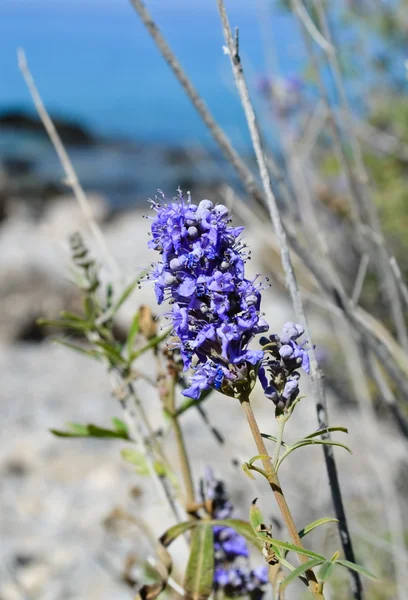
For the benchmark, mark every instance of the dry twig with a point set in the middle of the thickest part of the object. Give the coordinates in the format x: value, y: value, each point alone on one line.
x: 315, y: 372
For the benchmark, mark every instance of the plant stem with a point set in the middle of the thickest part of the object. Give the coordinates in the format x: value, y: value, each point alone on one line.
x: 274, y: 483
x: 275, y: 459
x: 181, y: 446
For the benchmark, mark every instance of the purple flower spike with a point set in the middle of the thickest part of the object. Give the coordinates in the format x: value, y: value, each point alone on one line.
x: 232, y: 574
x: 216, y: 310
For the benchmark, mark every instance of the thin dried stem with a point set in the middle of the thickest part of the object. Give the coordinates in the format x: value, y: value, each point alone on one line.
x: 387, y: 395
x: 304, y: 16
x: 388, y: 284
x: 216, y: 131
x: 170, y: 403
x: 354, y: 354
x: 71, y: 179
x: 359, y: 282
x: 291, y: 281
x: 129, y: 402
x: 131, y: 405
x: 372, y: 329
x: 399, y: 279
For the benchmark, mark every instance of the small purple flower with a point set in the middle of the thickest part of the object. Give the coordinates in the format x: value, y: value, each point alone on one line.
x: 232, y: 574
x: 283, y: 355
x: 216, y: 311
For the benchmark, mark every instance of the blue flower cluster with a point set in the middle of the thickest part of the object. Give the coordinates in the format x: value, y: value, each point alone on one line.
x: 232, y: 572
x: 283, y: 355
x: 215, y: 309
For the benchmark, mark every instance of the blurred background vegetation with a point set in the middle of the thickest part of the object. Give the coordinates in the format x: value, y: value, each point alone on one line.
x: 129, y: 130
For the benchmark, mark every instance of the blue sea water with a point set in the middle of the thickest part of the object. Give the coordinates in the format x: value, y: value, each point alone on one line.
x: 93, y: 60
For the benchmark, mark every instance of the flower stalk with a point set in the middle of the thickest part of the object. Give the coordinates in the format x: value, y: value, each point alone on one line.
x: 281, y: 422
x: 272, y: 477
x: 181, y: 445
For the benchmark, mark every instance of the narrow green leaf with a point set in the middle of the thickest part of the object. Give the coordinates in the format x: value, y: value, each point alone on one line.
x: 308, y: 442
x: 95, y: 431
x: 310, y: 564
x: 258, y: 539
x: 355, y: 567
x: 324, y: 442
x: 257, y: 457
x: 150, y: 344
x: 89, y: 308
x: 133, y: 331
x: 174, y: 532
x: 71, y: 316
x: 198, y: 581
x: 160, y: 468
x: 59, y: 433
x: 90, y: 430
x: 121, y: 427
x: 136, y: 459
x: 255, y: 517
x: 111, y: 352
x: 315, y: 524
x: 66, y: 324
x: 78, y: 428
x: 335, y: 556
x: 326, y: 570
x: 80, y: 349
x: 247, y: 470
x: 293, y: 548
x: 325, y: 430
x: 126, y: 292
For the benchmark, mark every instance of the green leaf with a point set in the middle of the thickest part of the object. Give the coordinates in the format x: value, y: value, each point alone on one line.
x: 138, y: 460
x: 293, y: 548
x: 89, y: 308
x: 323, y: 431
x: 133, y: 331
x: 126, y: 292
x: 174, y: 532
x: 323, y: 442
x: 71, y: 316
x: 111, y: 352
x: 315, y: 524
x: 247, y: 470
x: 255, y: 517
x: 66, y: 324
x: 310, y: 442
x: 80, y: 349
x: 121, y: 427
x: 150, y: 344
x: 198, y: 581
x: 310, y: 564
x: 326, y: 570
x: 357, y: 568
x: 258, y: 539
x: 258, y: 457
x: 79, y: 430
